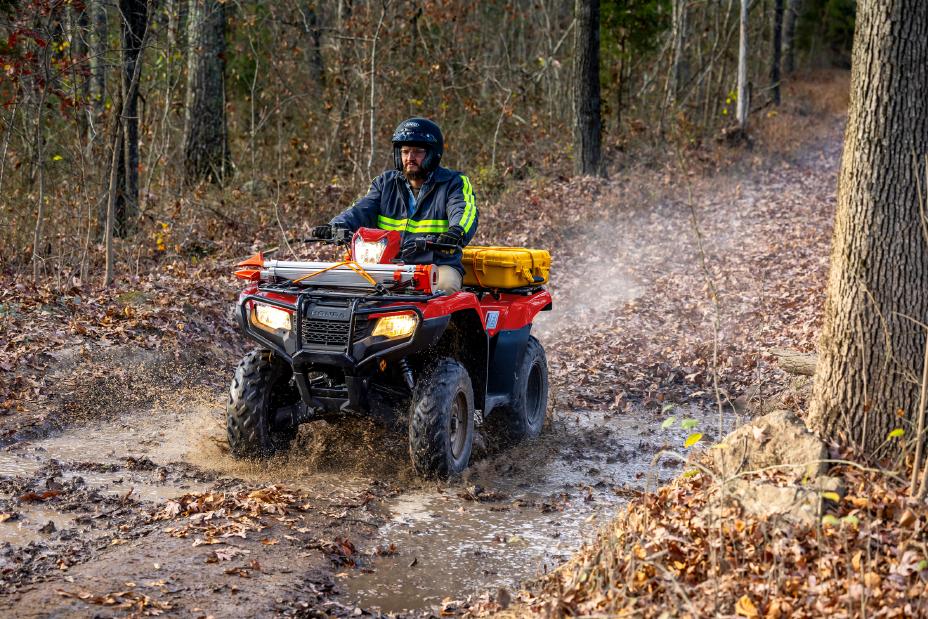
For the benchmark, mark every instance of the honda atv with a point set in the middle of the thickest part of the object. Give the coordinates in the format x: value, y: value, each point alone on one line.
x: 373, y: 336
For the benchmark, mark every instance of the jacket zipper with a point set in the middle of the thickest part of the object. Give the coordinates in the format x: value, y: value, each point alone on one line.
x: 418, y: 201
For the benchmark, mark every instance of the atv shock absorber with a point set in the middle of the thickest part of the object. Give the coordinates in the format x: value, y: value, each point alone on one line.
x: 407, y: 374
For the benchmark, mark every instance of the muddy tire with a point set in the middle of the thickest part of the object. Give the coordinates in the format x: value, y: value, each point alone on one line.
x: 441, y: 420
x: 261, y: 385
x: 524, y: 417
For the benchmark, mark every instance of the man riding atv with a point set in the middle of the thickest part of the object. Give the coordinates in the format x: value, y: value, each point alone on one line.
x: 409, y: 327
x: 419, y: 198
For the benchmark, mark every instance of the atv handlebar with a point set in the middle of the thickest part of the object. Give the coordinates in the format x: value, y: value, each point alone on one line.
x: 428, y: 244
x: 340, y: 236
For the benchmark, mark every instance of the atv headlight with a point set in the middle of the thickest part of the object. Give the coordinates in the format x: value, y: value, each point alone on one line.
x: 369, y: 252
x: 270, y: 318
x: 396, y: 326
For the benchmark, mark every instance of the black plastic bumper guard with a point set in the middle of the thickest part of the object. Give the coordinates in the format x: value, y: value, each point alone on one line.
x: 356, y: 358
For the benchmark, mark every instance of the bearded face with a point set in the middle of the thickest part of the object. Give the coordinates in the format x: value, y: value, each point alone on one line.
x: 413, y: 158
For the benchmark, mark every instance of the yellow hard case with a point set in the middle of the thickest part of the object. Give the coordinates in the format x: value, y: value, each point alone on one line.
x: 505, y: 267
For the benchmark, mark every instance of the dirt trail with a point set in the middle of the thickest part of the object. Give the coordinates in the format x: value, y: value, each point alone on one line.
x: 358, y: 530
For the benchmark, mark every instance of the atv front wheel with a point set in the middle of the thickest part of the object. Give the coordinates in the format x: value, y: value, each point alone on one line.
x: 441, y: 420
x: 525, y: 415
x: 260, y: 387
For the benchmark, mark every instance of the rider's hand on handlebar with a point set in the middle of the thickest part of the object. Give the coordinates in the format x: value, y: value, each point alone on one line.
x: 330, y: 232
x: 453, y: 236
x: 408, y: 251
x: 323, y: 232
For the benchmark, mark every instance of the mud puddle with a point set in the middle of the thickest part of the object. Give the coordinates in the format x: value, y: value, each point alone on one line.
x: 160, y: 455
x: 518, y: 513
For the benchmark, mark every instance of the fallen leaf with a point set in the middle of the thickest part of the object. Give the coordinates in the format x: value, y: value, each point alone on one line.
x: 745, y: 607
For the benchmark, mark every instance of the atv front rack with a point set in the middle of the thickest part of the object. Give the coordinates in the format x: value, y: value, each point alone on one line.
x: 318, y: 290
x: 351, y: 275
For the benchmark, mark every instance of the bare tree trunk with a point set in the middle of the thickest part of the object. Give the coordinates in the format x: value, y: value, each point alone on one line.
x: 134, y: 14
x: 177, y: 10
x: 777, y: 48
x: 112, y: 191
x: 80, y: 30
x: 871, y: 346
x: 743, y: 89
x: 98, y: 44
x: 38, y: 259
x: 678, y: 64
x: 789, y: 36
x: 314, y: 49
x: 383, y: 13
x: 588, y: 124
x: 206, y: 142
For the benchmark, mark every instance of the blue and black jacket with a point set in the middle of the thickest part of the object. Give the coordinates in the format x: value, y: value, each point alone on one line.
x: 445, y: 199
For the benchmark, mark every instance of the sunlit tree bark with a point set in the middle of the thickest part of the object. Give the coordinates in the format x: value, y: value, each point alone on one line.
x: 872, y: 345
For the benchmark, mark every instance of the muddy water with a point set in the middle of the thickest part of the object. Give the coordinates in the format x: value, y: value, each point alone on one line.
x: 110, y: 457
x: 516, y: 513
x: 535, y: 505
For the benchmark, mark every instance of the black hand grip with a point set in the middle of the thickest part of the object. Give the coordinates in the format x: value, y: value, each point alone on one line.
x: 340, y: 236
x: 427, y: 244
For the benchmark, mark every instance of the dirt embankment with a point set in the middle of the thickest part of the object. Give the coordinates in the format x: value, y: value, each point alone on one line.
x: 115, y: 434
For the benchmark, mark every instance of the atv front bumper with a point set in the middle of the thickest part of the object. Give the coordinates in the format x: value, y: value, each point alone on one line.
x: 335, y: 333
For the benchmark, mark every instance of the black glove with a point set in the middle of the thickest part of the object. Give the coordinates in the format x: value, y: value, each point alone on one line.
x: 329, y: 232
x: 323, y: 232
x: 454, y: 236
x: 408, y: 250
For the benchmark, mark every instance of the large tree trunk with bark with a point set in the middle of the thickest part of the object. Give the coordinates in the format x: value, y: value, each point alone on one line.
x: 588, y: 126
x: 870, y: 364
x: 134, y: 16
x: 206, y: 144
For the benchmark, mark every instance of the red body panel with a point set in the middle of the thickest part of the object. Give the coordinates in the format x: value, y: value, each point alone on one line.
x: 514, y: 311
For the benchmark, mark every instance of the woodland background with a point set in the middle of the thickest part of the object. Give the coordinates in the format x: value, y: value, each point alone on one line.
x: 151, y: 131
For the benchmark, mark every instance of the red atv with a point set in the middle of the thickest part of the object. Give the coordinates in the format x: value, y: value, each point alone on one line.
x: 372, y: 336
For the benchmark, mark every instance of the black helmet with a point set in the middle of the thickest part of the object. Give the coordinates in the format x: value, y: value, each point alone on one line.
x: 419, y: 132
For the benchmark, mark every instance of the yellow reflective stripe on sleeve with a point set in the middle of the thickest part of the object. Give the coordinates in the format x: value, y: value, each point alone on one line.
x: 470, y: 205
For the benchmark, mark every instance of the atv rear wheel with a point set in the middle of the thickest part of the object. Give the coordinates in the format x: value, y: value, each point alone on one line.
x: 525, y: 415
x: 441, y: 420
x: 260, y: 387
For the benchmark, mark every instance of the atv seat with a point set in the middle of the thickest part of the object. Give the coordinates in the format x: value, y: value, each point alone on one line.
x: 502, y: 268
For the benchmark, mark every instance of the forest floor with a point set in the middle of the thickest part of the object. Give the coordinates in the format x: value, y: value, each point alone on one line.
x: 117, y: 493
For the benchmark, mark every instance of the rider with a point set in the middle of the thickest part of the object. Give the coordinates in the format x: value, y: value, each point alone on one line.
x: 418, y: 199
